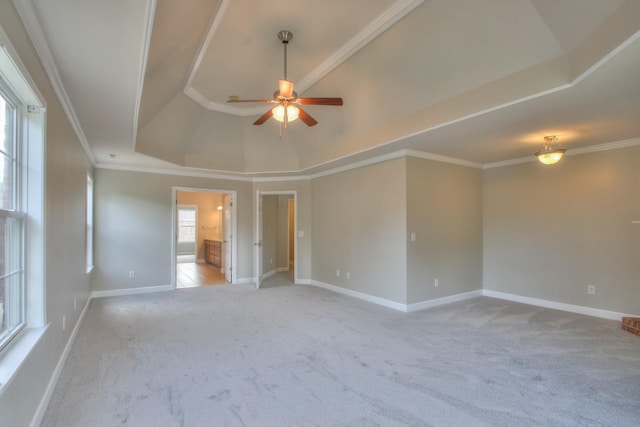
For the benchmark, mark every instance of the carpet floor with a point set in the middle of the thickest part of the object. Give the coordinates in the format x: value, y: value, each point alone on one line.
x: 232, y: 355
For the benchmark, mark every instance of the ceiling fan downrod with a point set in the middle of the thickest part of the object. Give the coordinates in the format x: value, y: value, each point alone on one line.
x: 285, y: 36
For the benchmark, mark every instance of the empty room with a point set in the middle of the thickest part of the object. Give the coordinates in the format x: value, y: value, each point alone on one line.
x: 304, y: 213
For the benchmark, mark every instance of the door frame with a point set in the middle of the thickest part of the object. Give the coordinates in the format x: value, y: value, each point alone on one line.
x: 257, y: 243
x: 174, y: 230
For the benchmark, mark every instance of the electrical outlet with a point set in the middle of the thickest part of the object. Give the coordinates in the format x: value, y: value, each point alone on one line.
x: 75, y: 304
x: 436, y: 282
x: 348, y: 275
x: 64, y: 323
x: 132, y: 274
x: 337, y: 273
x: 271, y: 261
x: 413, y: 237
x: 591, y: 290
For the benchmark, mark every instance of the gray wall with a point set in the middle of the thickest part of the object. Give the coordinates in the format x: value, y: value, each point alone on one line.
x: 65, y: 268
x: 549, y: 232
x: 444, y: 209
x: 133, y: 227
x: 359, y: 226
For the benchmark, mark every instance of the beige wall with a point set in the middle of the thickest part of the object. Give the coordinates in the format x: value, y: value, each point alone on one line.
x: 444, y: 210
x: 549, y: 232
x: 65, y: 266
x: 359, y: 226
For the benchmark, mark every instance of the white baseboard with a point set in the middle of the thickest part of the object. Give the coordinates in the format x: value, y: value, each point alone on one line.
x: 407, y: 308
x: 269, y: 273
x: 245, y: 281
x: 303, y: 282
x: 360, y: 295
x: 131, y: 291
x: 588, y: 311
x: 423, y: 305
x: 53, y: 381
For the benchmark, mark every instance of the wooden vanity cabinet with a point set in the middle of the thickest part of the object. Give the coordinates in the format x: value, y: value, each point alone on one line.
x: 213, y: 252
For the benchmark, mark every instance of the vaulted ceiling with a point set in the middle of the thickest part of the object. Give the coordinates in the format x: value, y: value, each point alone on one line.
x: 145, y: 83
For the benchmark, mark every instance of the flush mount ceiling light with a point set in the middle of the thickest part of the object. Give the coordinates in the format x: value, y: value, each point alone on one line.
x: 548, y: 155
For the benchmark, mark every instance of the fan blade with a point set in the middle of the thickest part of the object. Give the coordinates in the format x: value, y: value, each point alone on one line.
x: 319, y: 101
x: 286, y: 88
x: 306, y: 118
x: 250, y: 100
x: 263, y: 118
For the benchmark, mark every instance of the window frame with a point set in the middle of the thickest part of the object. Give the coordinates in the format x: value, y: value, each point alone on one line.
x: 18, y: 211
x: 31, y: 131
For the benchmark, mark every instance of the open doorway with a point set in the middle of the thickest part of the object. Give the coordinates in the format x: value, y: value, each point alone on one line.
x: 203, y: 249
x: 275, y: 239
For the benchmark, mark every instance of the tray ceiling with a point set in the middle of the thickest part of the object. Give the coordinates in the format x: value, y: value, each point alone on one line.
x: 478, y: 81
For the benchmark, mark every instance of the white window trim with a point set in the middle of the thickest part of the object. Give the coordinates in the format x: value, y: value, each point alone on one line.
x: 32, y: 127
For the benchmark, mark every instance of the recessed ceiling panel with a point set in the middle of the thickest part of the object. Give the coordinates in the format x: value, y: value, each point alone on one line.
x: 245, y: 58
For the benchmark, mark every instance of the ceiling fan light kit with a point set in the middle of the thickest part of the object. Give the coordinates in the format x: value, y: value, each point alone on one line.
x: 288, y: 104
x: 548, y: 155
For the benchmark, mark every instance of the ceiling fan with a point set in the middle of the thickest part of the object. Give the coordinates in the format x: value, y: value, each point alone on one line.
x: 288, y: 104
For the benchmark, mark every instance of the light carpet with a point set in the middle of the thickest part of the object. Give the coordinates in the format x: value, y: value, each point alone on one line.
x: 232, y: 355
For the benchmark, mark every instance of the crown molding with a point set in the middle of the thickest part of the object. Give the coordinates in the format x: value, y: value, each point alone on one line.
x: 176, y: 172
x: 151, y: 11
x: 215, y: 23
x: 305, y: 175
x: 34, y: 30
x: 442, y: 159
x: 386, y: 20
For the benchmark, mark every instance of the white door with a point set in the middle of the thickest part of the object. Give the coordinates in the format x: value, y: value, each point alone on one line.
x: 258, y: 242
x: 227, y: 239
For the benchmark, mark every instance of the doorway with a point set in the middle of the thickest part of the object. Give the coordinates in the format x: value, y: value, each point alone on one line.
x: 276, y: 251
x: 203, y: 247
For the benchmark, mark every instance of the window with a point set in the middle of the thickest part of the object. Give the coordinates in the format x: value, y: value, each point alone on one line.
x: 186, y: 224
x: 22, y: 227
x: 12, y: 223
x: 89, y: 228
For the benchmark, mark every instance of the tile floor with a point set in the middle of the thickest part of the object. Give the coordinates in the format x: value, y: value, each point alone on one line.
x: 191, y: 274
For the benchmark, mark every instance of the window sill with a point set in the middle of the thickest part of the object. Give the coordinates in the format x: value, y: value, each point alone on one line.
x: 15, y: 354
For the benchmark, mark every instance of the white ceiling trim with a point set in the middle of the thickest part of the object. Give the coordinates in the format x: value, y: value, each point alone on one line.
x: 183, y: 172
x: 215, y: 23
x: 363, y: 163
x: 387, y: 19
x: 635, y: 36
x: 382, y: 23
x: 151, y: 11
x: 443, y: 159
x: 34, y: 30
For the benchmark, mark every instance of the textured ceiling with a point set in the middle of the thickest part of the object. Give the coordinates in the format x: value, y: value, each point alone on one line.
x: 480, y: 81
